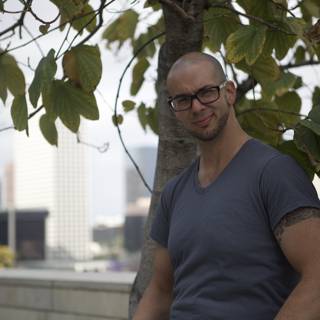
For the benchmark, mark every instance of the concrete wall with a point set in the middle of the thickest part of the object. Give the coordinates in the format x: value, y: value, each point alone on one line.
x: 59, y: 295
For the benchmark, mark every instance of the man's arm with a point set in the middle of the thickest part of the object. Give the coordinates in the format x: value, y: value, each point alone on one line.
x: 298, y: 235
x: 156, y: 301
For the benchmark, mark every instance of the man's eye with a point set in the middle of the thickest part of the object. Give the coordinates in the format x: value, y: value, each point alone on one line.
x: 182, y: 100
x: 207, y: 93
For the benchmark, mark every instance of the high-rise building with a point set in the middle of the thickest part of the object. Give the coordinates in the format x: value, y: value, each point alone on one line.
x: 145, y: 157
x: 138, y: 196
x: 55, y: 179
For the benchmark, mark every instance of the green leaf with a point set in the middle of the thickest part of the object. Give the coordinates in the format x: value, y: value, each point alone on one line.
x: 312, y: 7
x: 313, y: 126
x: 11, y: 77
x: 138, y: 75
x: 313, y: 120
x: 68, y: 103
x: 280, y: 86
x: 296, y: 25
x: 117, y: 120
x: 265, y: 69
x: 316, y: 97
x: 314, y: 114
x: 88, y: 20
x: 152, y: 115
x: 122, y: 29
x: 3, y: 88
x: 219, y: 24
x: 289, y: 102
x: 83, y: 66
x: 148, y: 51
x: 298, y: 83
x: 307, y: 141
x: 300, y: 54
x: 43, y: 76
x: 19, y: 112
x: 44, y: 28
x: 128, y: 105
x: 49, y: 130
x: 290, y: 148
x: 68, y: 9
x: 154, y: 4
x: 260, y: 9
x: 142, y: 115
x: 247, y: 42
x: 279, y: 41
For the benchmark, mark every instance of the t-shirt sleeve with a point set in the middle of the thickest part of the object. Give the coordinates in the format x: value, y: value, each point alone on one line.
x: 285, y: 187
x: 160, y: 226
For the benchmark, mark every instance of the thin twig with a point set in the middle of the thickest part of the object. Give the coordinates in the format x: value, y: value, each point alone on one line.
x: 33, y: 38
x: 42, y: 21
x: 271, y: 110
x: 116, y: 105
x: 301, y: 64
x: 296, y: 6
x: 102, y: 149
x: 19, y: 22
x: 283, y: 7
x: 63, y: 42
x: 8, y: 36
x: 32, y: 114
x: 49, y: 31
x: 250, y: 17
x: 100, y: 13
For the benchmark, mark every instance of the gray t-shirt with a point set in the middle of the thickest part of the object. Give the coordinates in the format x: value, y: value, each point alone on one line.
x: 227, y: 263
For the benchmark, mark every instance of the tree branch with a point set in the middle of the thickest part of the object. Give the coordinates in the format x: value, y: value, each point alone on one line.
x: 250, y: 17
x: 116, y: 105
x: 49, y: 31
x: 244, y: 87
x: 271, y: 110
x: 283, y: 7
x: 296, y: 6
x: 301, y: 64
x: 178, y: 10
x: 19, y: 22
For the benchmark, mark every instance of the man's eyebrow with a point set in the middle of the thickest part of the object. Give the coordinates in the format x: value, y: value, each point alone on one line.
x: 181, y: 95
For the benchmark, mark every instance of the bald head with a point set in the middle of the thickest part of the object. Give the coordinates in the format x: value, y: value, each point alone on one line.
x: 194, y: 58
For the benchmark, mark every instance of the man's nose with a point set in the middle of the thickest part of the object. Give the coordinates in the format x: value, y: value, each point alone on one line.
x: 196, y: 105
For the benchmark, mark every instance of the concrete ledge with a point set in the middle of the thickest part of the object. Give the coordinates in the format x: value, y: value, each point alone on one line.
x: 53, y: 295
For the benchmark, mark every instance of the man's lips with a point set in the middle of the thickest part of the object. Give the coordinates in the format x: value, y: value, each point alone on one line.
x: 203, y: 122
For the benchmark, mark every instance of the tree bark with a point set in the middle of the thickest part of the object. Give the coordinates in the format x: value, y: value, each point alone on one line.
x: 176, y: 148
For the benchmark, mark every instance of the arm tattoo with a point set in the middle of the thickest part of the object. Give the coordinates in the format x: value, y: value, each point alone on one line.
x: 294, y: 217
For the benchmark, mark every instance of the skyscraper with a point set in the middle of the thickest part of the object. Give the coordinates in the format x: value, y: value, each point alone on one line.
x: 55, y: 179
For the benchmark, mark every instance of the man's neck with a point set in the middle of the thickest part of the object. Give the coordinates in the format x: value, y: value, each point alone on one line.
x: 216, y: 154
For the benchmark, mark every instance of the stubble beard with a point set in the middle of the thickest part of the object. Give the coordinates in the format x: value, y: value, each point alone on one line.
x: 216, y: 131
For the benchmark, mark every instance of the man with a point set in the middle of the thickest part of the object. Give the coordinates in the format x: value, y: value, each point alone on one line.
x: 238, y: 232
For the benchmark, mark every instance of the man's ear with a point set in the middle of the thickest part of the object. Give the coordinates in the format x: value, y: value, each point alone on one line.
x: 230, y: 92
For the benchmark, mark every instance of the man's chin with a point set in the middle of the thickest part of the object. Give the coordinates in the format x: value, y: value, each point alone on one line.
x: 205, y: 136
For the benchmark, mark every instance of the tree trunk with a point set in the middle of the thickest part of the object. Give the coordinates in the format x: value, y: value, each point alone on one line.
x: 176, y: 149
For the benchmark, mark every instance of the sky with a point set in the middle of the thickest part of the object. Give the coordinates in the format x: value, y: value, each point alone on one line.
x: 107, y: 181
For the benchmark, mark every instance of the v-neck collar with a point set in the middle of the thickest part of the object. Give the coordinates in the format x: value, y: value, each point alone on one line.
x: 196, y: 182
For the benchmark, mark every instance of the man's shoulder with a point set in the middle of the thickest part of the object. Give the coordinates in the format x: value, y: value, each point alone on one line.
x: 180, y: 180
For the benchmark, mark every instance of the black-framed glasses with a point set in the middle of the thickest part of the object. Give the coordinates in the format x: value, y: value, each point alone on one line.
x: 206, y: 95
